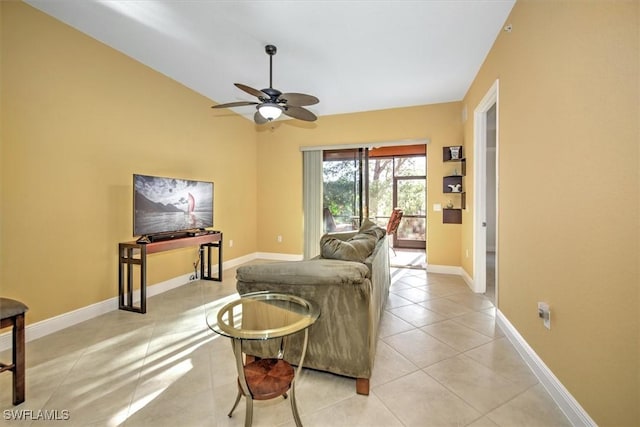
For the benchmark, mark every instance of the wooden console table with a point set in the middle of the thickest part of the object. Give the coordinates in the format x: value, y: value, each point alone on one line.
x: 127, y: 259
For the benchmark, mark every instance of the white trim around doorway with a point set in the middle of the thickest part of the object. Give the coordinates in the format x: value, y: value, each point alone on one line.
x: 479, y: 188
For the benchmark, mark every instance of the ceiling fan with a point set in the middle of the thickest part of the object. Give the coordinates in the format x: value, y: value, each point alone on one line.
x: 273, y: 102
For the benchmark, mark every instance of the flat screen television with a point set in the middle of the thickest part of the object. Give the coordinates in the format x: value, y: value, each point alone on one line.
x: 166, y: 205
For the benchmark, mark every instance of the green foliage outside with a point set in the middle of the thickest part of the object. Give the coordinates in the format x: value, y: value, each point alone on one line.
x: 341, y: 192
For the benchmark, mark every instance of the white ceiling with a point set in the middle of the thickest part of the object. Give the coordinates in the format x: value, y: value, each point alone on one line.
x: 353, y: 55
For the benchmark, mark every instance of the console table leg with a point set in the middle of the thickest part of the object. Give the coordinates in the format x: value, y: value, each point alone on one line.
x: 129, y: 285
x: 220, y: 245
x: 121, y: 253
x: 201, y: 255
x: 206, y: 273
x: 143, y: 279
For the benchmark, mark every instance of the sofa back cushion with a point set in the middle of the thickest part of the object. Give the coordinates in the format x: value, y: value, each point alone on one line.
x: 351, y: 250
x: 358, y: 248
x: 370, y: 228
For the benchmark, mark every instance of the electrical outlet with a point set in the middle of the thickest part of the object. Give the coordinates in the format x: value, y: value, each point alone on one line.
x: 544, y: 312
x: 279, y: 239
x: 230, y: 243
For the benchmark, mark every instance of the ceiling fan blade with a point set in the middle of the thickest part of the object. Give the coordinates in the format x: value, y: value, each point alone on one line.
x: 251, y: 91
x: 259, y: 119
x: 235, y: 104
x: 299, y: 113
x: 299, y: 99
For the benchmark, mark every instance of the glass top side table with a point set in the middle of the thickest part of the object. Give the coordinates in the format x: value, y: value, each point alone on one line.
x: 263, y: 316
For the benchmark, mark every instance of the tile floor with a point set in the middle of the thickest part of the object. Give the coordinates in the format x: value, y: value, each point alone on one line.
x: 409, y: 258
x: 441, y: 361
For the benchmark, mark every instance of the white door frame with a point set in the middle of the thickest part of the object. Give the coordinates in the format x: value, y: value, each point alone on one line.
x: 480, y: 186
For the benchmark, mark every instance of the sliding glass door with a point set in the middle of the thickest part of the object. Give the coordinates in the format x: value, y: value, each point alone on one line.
x: 369, y: 183
x: 410, y: 194
x: 344, y: 181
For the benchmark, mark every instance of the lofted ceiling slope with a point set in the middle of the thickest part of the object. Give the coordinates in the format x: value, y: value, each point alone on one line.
x: 353, y: 55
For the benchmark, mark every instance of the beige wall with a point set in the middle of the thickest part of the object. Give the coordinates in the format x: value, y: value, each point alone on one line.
x: 280, y: 169
x: 569, y: 193
x: 78, y: 119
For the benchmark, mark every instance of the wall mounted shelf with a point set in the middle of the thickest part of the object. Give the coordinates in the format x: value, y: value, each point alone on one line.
x: 451, y: 216
x: 454, y: 184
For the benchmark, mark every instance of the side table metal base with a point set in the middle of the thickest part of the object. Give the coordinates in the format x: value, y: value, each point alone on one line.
x: 265, y: 379
x: 262, y: 316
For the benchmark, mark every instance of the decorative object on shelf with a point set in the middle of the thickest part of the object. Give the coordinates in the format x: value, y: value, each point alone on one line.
x: 455, y: 188
x: 454, y: 184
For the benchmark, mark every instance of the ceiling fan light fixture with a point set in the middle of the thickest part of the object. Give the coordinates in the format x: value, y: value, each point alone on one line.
x: 270, y: 111
x: 274, y: 103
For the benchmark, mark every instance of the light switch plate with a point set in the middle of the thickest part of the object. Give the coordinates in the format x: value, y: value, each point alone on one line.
x: 544, y: 312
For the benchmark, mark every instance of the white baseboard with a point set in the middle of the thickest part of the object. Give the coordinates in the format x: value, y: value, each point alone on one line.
x: 567, y: 403
x: 444, y: 269
x: 467, y: 279
x: 53, y: 324
x: 237, y: 261
x: 561, y: 396
x: 278, y: 257
x: 452, y: 269
x: 167, y: 285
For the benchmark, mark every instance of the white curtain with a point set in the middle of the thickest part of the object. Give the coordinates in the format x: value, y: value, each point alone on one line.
x: 312, y: 202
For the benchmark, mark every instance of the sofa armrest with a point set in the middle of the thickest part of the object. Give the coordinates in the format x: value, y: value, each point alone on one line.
x: 381, y: 277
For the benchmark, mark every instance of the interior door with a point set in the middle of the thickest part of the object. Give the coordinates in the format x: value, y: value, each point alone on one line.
x: 481, y: 187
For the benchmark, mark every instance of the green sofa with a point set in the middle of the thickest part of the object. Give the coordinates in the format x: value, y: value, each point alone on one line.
x: 350, y: 283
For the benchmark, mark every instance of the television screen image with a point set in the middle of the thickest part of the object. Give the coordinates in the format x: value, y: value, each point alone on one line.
x: 169, y: 204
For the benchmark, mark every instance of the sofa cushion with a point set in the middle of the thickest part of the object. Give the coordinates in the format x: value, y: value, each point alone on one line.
x: 310, y: 272
x: 358, y: 248
x: 370, y: 228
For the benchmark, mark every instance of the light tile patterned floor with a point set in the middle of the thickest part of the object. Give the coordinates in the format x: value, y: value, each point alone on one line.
x: 441, y: 361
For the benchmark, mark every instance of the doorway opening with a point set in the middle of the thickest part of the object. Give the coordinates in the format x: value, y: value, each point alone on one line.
x: 491, y: 214
x: 485, y: 227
